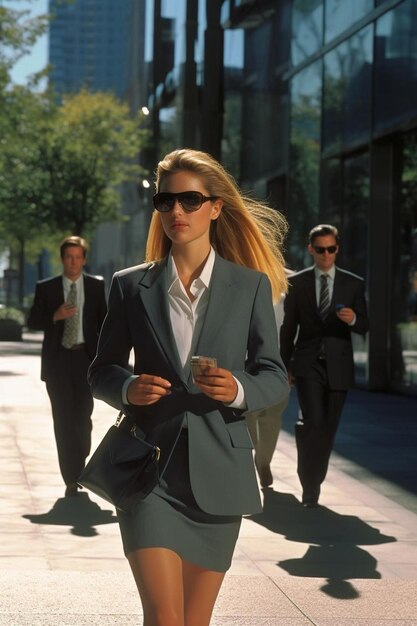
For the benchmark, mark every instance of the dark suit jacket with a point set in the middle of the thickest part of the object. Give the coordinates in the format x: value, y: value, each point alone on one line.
x: 301, y: 315
x: 239, y: 330
x: 49, y: 296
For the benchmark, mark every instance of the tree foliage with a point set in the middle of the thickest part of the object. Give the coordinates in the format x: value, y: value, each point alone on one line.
x: 18, y: 33
x: 91, y: 148
x: 61, y: 163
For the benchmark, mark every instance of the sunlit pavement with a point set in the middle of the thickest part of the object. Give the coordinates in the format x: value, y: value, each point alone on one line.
x: 351, y: 561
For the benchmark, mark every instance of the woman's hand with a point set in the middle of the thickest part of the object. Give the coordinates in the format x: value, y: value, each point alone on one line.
x: 218, y: 383
x: 147, y: 389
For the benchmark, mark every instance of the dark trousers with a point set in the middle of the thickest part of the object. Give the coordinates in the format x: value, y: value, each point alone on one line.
x: 315, y: 431
x: 72, y: 406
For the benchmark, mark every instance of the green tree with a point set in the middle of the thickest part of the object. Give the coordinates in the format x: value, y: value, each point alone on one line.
x: 23, y: 210
x: 91, y: 148
x: 18, y: 33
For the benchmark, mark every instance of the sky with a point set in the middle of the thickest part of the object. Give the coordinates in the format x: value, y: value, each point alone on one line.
x: 38, y: 57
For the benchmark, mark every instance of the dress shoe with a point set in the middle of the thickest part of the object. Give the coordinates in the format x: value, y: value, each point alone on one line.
x: 71, y: 490
x: 265, y: 476
x: 310, y: 499
x: 310, y: 504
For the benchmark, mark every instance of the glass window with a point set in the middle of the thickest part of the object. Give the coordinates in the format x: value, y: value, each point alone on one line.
x: 347, y: 91
x: 306, y: 28
x: 265, y: 96
x: 396, y: 66
x: 345, y: 197
x: 354, y: 241
x: 303, y: 210
x: 233, y: 80
x: 341, y: 14
x: 404, y: 275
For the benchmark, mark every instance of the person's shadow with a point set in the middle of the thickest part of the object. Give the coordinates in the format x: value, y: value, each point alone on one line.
x: 79, y: 512
x: 334, y: 539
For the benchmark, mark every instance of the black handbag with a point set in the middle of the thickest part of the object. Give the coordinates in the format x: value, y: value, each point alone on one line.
x: 124, y: 468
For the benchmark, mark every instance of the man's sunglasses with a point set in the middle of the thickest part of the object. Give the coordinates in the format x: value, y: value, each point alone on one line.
x: 322, y: 249
x: 189, y: 200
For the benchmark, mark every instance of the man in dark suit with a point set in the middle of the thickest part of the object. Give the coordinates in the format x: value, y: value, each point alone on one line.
x: 70, y: 309
x: 323, y: 306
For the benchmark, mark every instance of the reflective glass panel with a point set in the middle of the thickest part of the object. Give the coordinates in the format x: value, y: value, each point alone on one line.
x: 396, y: 66
x: 303, y: 210
x: 169, y: 74
x: 354, y: 245
x: 341, y: 14
x: 345, y: 198
x: 265, y: 96
x: 307, y: 29
x: 347, y: 91
x: 233, y: 82
x: 404, y: 281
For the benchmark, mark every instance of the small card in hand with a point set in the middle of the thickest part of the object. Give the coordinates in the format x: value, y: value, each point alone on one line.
x: 199, y: 364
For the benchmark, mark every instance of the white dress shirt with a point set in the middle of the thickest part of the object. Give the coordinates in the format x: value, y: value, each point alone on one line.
x: 187, y: 317
x: 67, y: 282
x: 330, y: 283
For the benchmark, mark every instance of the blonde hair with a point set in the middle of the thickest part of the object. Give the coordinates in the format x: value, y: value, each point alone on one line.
x: 247, y: 232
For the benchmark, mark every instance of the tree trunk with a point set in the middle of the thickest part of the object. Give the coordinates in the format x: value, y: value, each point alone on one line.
x: 21, y: 267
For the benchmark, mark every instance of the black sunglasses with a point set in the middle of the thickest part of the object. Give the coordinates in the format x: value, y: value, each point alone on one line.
x: 322, y: 249
x: 189, y: 200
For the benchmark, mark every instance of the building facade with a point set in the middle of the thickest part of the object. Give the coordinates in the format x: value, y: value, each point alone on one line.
x: 88, y: 45
x: 311, y: 104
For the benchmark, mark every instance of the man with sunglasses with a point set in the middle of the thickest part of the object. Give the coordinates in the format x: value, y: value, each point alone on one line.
x: 324, y: 305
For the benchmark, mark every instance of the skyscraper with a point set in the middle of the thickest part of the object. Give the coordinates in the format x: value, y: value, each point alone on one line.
x: 89, y: 45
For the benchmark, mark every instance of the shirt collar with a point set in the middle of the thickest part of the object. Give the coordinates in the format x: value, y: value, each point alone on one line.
x: 331, y: 273
x: 205, y: 276
x: 68, y: 282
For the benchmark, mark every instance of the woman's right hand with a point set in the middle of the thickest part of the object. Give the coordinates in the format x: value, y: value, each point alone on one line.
x: 147, y: 389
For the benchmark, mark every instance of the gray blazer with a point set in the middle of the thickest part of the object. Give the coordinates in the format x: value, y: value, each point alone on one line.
x: 239, y: 330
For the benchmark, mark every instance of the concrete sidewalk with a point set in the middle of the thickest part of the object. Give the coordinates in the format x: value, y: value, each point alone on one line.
x: 351, y: 561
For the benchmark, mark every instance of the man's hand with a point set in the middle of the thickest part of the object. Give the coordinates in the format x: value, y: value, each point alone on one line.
x: 64, y: 312
x: 346, y: 315
x: 147, y: 389
x: 218, y: 383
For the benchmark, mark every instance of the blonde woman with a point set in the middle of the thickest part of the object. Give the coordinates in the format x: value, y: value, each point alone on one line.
x: 213, y: 267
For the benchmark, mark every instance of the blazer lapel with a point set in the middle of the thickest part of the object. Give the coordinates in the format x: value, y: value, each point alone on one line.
x: 222, y: 296
x: 154, y: 294
x: 337, y: 296
x: 311, y: 289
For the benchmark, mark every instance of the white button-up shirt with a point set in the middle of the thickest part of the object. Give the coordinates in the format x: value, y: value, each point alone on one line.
x: 66, y: 283
x: 187, y: 317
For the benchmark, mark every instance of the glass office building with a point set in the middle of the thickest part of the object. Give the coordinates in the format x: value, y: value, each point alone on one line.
x: 329, y: 134
x: 88, y: 45
x: 311, y: 104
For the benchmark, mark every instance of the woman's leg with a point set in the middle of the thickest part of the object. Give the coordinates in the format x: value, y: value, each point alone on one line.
x: 158, y: 573
x: 201, y: 588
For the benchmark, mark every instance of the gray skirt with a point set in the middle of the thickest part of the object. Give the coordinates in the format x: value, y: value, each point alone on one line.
x: 171, y: 518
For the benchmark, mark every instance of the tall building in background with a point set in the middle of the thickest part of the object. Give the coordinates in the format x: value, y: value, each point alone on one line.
x: 89, y: 45
x: 99, y: 45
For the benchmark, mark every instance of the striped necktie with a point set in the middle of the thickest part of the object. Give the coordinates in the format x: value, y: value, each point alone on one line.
x: 70, y: 334
x: 324, y: 302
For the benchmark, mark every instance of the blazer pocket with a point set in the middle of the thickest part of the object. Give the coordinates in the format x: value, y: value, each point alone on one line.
x: 239, y: 435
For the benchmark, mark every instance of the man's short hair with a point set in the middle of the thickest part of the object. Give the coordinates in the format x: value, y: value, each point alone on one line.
x: 321, y: 230
x: 73, y: 240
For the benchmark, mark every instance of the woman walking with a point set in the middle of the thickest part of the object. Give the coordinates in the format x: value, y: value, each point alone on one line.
x: 213, y: 268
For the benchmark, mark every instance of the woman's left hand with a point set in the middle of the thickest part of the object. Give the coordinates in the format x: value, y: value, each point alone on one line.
x: 218, y: 383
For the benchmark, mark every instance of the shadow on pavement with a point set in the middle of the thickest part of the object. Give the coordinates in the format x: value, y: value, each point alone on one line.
x: 334, y: 539
x: 79, y: 512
